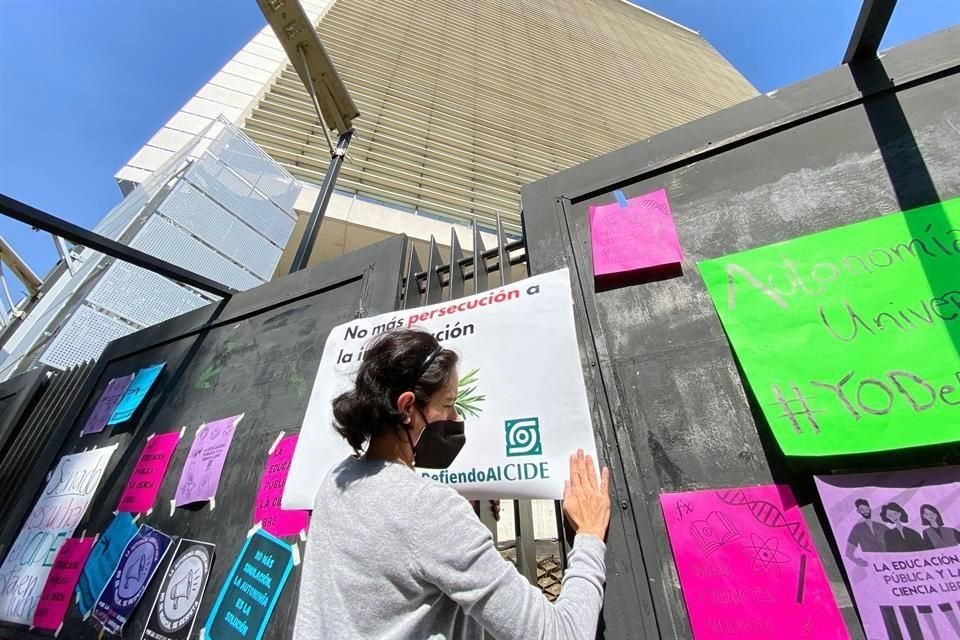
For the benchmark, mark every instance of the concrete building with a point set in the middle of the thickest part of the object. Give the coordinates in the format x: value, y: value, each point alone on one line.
x: 462, y: 102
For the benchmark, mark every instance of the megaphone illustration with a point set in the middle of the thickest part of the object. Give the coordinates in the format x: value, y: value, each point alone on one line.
x: 181, y: 590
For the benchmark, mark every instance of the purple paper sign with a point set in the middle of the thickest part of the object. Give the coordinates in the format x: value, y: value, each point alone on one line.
x: 108, y: 401
x: 266, y: 509
x: 899, y: 535
x: 138, y: 563
x: 201, y: 471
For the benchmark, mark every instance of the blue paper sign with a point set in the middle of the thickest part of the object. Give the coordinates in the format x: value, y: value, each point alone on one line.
x: 138, y: 563
x: 103, y: 560
x: 253, y: 586
x: 135, y: 393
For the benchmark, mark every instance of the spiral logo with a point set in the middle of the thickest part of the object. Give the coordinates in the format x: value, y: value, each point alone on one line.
x: 523, y: 437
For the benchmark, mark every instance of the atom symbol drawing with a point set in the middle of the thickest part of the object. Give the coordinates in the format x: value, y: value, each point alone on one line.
x: 766, y: 555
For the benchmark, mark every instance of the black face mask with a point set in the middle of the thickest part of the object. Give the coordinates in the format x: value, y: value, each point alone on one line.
x: 439, y: 444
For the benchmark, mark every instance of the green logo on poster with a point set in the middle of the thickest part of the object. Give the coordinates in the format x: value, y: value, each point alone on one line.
x: 523, y: 437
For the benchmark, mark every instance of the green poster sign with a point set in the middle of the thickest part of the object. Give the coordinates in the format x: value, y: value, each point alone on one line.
x: 850, y: 337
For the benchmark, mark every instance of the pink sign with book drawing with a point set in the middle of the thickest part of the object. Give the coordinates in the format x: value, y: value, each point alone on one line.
x: 747, y: 566
x: 633, y: 235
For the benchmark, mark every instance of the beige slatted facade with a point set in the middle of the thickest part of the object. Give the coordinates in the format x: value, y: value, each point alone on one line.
x: 465, y: 101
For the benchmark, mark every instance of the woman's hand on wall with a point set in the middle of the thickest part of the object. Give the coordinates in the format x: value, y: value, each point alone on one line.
x: 585, y: 500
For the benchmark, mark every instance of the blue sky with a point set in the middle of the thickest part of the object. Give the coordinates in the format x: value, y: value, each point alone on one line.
x: 84, y: 83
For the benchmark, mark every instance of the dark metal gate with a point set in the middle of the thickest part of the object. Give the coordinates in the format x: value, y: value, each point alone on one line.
x: 670, y: 408
x: 255, y: 353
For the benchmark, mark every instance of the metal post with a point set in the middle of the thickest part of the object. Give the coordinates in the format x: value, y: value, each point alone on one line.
x: 320, y: 206
x: 78, y: 235
x: 3, y: 310
x: 64, y: 253
x: 868, y: 32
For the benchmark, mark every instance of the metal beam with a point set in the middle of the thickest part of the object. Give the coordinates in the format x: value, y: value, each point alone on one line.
x: 31, y: 281
x: 868, y: 32
x: 320, y: 206
x: 78, y: 235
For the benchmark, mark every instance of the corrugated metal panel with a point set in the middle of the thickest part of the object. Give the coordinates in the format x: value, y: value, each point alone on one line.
x: 162, y: 239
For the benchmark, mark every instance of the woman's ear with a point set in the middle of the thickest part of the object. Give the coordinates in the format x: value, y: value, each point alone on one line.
x: 405, y: 405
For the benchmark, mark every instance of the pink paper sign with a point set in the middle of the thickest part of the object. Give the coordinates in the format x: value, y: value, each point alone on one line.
x: 108, y: 401
x: 633, y: 234
x: 201, y: 471
x: 141, y: 490
x: 747, y: 566
x: 266, y: 509
x: 58, y: 590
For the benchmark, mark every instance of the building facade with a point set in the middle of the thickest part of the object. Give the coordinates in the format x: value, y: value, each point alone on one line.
x: 462, y: 102
x: 218, y: 207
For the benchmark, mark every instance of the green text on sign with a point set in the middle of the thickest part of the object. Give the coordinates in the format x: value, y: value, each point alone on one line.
x: 850, y: 337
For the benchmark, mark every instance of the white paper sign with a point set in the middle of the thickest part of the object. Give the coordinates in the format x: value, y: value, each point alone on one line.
x: 54, y: 518
x: 520, y: 377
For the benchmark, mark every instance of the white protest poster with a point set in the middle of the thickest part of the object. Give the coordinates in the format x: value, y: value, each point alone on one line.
x: 521, y: 391
x: 55, y: 516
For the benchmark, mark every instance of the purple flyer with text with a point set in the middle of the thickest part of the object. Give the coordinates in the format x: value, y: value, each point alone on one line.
x: 899, y: 535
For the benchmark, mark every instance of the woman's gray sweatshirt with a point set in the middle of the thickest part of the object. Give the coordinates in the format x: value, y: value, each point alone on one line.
x: 393, y: 555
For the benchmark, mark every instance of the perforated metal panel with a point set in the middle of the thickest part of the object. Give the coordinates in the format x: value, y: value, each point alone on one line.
x: 220, y: 207
x: 142, y: 296
x: 83, y: 336
x: 162, y: 239
x: 249, y: 161
x: 191, y: 209
x: 236, y: 195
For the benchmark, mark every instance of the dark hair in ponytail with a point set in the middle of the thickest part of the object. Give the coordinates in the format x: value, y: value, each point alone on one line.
x: 393, y: 363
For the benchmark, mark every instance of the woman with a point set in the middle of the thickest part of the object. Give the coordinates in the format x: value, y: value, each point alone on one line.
x: 899, y: 537
x: 935, y: 535
x: 394, y: 555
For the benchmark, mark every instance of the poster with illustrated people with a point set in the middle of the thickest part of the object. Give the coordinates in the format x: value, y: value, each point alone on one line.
x: 747, y: 566
x: 899, y: 535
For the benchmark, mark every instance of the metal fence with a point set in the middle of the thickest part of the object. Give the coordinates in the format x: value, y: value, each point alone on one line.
x: 34, y: 445
x: 462, y: 275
